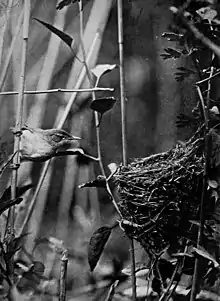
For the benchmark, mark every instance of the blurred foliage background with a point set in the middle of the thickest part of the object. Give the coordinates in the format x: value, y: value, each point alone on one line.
x: 154, y: 99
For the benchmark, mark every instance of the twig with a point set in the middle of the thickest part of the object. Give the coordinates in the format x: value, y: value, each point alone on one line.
x: 166, y: 292
x: 208, y: 78
x: 63, y: 273
x: 207, y: 152
x: 98, y: 142
x: 111, y: 291
x: 124, y: 127
x: 198, y: 35
x: 96, y: 89
x: 9, y: 233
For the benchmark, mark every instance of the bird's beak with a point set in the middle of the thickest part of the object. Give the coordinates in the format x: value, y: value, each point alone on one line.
x: 75, y: 138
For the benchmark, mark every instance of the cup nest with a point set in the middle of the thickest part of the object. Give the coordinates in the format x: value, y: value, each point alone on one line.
x: 159, y: 196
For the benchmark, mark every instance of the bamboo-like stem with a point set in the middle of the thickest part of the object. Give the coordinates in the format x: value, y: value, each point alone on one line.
x: 98, y: 141
x: 124, y: 126
x: 16, y: 160
x: 122, y: 82
x: 59, y: 90
x: 207, y: 151
x: 60, y: 125
x: 63, y: 274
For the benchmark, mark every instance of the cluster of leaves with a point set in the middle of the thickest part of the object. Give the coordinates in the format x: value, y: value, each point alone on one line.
x: 15, y: 278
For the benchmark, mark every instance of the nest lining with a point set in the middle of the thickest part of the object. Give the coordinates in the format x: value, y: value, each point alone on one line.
x: 160, y: 194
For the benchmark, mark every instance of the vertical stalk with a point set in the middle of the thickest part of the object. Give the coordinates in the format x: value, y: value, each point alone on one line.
x: 98, y: 141
x: 122, y: 82
x: 124, y: 125
x: 16, y: 159
x: 207, y: 152
x: 63, y: 274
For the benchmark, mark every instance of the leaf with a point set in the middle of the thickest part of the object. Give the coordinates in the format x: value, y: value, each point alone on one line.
x: 207, y: 13
x: 97, y: 244
x: 212, y: 184
x: 77, y: 152
x: 174, y: 37
x: 103, y: 105
x: 102, y: 69
x: 100, y: 182
x: 171, y: 54
x: 183, y: 74
x: 7, y: 204
x: 64, y: 3
x: 37, y: 268
x: 214, y: 110
x: 112, y: 167
x: 203, y: 253
x: 141, y: 270
x: 19, y: 191
x: 15, y: 245
x: 62, y: 35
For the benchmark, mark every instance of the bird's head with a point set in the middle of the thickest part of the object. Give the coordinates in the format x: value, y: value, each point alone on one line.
x: 60, y: 137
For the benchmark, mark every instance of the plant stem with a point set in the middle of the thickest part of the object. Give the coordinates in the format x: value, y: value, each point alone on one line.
x: 98, y: 141
x: 63, y: 273
x: 207, y: 152
x: 9, y: 233
x: 58, y: 91
x: 124, y: 126
x: 122, y: 82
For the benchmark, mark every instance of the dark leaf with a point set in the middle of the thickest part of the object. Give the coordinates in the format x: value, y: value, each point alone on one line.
x: 174, y: 37
x: 103, y: 105
x: 19, y: 191
x: 7, y: 204
x: 97, y: 244
x: 184, y: 73
x: 171, y: 54
x: 64, y: 3
x: 37, y: 268
x: 100, y: 182
x: 62, y: 35
x: 17, y: 242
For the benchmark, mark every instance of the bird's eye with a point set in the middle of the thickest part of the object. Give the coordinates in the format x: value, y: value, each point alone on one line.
x: 57, y: 138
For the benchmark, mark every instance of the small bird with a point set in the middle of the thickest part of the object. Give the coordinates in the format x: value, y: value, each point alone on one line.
x: 40, y: 145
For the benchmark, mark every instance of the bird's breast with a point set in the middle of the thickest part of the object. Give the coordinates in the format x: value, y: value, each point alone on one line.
x: 33, y: 146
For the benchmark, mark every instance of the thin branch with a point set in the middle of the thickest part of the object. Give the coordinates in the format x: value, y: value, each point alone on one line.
x: 111, y: 291
x: 207, y: 152
x: 208, y: 78
x: 198, y: 35
x: 59, y: 90
x: 63, y: 274
x: 122, y: 82
x: 9, y: 233
x: 98, y: 142
x: 124, y: 127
